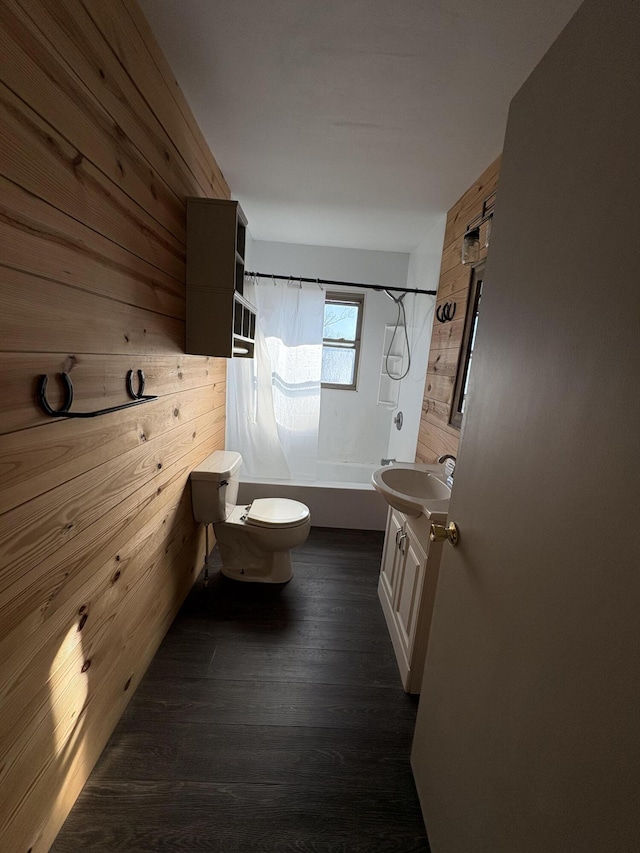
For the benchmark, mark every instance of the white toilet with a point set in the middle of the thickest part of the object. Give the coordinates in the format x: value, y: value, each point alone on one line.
x: 255, y: 541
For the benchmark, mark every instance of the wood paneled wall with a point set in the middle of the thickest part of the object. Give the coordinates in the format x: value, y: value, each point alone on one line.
x: 435, y: 435
x: 98, y: 150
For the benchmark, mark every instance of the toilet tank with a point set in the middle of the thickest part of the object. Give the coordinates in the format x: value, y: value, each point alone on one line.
x: 214, y: 486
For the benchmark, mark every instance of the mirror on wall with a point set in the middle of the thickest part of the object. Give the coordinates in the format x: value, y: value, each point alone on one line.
x: 466, y: 350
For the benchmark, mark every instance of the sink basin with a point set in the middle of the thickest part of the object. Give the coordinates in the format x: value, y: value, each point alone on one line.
x: 414, y: 489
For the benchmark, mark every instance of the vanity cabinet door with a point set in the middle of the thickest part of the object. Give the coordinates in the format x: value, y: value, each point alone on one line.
x: 406, y: 588
x: 392, y: 554
x: 408, y: 591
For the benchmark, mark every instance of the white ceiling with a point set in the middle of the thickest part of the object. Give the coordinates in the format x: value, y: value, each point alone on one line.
x: 352, y: 123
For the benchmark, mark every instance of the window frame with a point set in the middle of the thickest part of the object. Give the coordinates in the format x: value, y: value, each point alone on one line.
x: 471, y: 319
x: 338, y: 297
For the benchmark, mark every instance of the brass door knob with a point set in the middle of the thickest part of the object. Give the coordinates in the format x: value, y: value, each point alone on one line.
x: 439, y: 533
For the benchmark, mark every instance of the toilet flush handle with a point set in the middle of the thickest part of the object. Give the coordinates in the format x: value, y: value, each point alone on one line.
x: 223, y: 483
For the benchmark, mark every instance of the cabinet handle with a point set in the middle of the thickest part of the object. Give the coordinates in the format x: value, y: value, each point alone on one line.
x: 401, y: 542
x: 398, y: 532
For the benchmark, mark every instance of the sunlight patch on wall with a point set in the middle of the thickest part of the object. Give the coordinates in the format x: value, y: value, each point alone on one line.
x: 69, y: 691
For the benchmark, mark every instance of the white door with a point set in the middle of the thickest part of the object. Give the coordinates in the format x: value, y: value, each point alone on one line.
x: 528, y: 734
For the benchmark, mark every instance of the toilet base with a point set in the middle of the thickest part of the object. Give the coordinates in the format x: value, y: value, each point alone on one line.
x: 276, y: 568
x: 244, y: 560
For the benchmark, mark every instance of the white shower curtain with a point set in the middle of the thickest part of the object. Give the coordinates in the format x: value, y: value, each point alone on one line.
x: 273, y: 412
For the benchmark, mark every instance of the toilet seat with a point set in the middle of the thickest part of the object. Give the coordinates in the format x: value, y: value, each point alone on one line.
x: 276, y: 513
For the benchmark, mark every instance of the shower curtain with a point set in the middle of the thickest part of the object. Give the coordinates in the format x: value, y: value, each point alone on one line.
x: 273, y: 400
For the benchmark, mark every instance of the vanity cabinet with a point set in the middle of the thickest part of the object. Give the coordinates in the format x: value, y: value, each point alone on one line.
x: 406, y: 588
x: 220, y: 321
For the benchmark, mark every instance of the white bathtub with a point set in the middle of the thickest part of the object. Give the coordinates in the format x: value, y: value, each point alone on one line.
x: 341, y: 496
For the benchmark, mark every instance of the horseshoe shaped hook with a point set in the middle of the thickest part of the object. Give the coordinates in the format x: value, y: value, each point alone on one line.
x: 446, y: 312
x: 42, y: 395
x: 137, y: 397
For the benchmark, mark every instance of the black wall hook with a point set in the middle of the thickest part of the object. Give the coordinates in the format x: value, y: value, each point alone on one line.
x: 140, y: 393
x: 445, y: 313
x: 137, y: 397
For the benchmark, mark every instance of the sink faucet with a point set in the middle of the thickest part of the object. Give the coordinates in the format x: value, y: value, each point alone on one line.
x: 450, y: 466
x: 387, y: 461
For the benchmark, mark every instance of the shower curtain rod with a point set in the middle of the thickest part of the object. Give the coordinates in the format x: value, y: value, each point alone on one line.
x: 296, y: 278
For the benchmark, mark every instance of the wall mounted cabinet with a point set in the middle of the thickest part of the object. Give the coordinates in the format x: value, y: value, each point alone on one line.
x: 406, y: 588
x: 220, y: 321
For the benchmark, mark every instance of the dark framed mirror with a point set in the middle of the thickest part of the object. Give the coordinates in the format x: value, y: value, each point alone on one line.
x: 466, y: 349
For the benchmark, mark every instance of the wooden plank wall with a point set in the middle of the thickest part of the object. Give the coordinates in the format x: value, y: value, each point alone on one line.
x: 98, y: 547
x: 435, y: 435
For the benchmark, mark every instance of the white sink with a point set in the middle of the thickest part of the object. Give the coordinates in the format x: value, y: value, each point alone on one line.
x: 414, y: 489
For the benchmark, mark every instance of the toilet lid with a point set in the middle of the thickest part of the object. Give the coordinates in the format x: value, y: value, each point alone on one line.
x: 271, y: 512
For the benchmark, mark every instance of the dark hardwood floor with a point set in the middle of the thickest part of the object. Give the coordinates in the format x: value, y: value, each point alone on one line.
x: 272, y: 719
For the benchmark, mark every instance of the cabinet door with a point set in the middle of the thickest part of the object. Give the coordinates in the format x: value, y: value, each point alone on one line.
x: 408, y: 587
x: 392, y: 553
x: 219, y: 320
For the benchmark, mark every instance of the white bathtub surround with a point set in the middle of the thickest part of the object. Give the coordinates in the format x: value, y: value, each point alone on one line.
x: 424, y: 270
x: 342, y: 496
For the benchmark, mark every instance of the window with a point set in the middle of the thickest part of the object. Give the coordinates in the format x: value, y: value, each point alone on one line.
x: 466, y: 350
x: 341, y: 340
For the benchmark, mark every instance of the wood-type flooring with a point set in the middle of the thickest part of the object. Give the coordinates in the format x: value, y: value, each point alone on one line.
x: 272, y: 719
